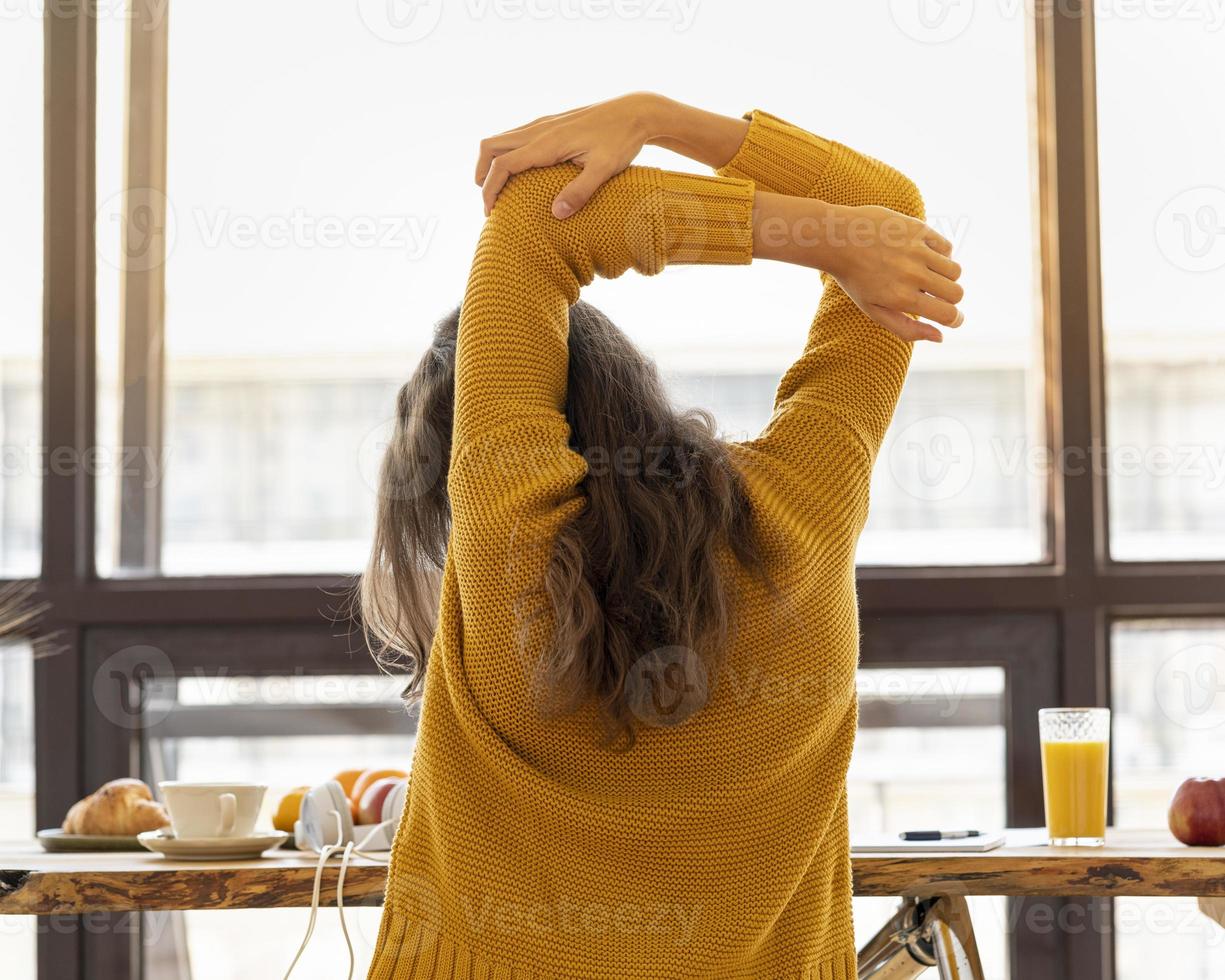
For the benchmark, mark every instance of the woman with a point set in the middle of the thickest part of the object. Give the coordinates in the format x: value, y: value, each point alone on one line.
x: 640, y: 701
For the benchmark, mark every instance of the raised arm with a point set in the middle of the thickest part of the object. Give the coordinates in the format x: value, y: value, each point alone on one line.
x: 857, y: 351
x: 850, y: 367
x: 529, y: 267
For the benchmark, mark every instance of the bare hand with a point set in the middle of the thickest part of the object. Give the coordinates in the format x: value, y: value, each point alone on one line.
x: 603, y: 139
x: 895, y: 268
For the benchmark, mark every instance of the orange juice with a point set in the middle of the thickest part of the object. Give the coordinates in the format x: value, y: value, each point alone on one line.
x: 1074, y: 776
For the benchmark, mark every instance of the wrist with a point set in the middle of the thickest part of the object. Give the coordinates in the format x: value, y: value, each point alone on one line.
x: 796, y: 230
x: 658, y: 115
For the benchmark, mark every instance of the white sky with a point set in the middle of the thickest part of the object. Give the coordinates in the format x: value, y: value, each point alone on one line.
x: 279, y: 108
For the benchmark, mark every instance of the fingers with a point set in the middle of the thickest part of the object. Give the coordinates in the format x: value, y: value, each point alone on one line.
x: 943, y: 288
x: 492, y: 148
x: 937, y: 241
x: 578, y: 192
x: 905, y: 327
x: 937, y: 310
x: 512, y: 139
x: 507, y: 165
x: 943, y: 265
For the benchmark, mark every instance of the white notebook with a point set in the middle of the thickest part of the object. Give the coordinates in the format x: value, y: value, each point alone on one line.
x: 877, y: 843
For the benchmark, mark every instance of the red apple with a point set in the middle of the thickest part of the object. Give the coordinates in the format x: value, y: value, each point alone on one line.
x: 370, y: 809
x: 1197, y: 813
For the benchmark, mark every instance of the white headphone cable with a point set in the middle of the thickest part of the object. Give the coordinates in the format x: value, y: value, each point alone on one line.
x: 325, y: 853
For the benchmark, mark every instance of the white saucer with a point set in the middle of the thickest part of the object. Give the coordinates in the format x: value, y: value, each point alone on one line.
x: 211, y: 848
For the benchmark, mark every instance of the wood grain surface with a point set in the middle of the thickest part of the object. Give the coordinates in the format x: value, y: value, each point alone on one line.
x: 1147, y: 863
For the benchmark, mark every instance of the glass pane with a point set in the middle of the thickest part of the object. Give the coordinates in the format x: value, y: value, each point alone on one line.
x: 18, y: 933
x: 931, y: 752
x: 1169, y: 721
x: 325, y: 220
x: 21, y: 292
x: 322, y: 725
x: 1163, y: 275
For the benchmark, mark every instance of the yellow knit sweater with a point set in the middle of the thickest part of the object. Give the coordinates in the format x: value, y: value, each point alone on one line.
x: 717, y: 848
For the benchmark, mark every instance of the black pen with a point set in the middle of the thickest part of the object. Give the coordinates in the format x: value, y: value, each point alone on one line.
x: 939, y: 834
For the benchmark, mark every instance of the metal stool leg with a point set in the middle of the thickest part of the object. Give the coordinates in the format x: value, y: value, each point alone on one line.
x: 921, y: 934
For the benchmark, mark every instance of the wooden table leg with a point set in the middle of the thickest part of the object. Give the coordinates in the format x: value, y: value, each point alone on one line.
x: 952, y: 938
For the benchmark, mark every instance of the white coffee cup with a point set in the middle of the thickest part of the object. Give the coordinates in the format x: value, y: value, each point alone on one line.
x: 212, y: 809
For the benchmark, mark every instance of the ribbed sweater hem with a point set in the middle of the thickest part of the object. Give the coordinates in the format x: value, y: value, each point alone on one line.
x: 409, y: 949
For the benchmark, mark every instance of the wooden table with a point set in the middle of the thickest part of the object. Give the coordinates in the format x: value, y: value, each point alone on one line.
x: 1151, y: 863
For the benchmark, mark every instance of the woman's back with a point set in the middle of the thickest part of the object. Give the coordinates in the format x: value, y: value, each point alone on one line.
x: 716, y: 845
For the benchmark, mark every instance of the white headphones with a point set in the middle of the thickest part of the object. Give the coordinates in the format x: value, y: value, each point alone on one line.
x: 325, y: 819
x: 325, y: 824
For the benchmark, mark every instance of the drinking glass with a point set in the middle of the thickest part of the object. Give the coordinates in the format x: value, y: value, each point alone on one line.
x: 1075, y: 774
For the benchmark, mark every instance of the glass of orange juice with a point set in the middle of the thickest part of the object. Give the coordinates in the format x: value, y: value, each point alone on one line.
x: 1075, y: 773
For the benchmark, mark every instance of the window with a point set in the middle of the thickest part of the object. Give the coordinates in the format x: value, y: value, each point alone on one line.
x: 17, y: 933
x: 276, y: 232
x: 1169, y: 718
x: 284, y: 731
x: 1163, y: 273
x: 21, y: 160
x: 919, y: 730
x: 304, y: 268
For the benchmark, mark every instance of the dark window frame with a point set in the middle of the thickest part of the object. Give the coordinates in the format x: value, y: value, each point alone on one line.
x: 1048, y: 625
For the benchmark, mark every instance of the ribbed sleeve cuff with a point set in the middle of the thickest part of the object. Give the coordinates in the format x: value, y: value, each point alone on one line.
x: 778, y: 157
x: 707, y: 220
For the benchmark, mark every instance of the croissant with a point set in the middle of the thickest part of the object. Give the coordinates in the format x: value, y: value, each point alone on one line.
x: 122, y: 807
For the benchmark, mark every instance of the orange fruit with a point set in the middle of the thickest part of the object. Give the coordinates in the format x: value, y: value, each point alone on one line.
x: 369, y: 776
x: 346, y: 778
x: 289, y: 809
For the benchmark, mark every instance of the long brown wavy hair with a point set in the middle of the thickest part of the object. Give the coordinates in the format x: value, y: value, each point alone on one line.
x: 638, y: 569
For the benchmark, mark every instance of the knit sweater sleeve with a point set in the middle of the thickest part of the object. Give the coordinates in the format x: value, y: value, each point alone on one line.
x: 529, y: 267
x: 852, y: 370
x: 514, y: 477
